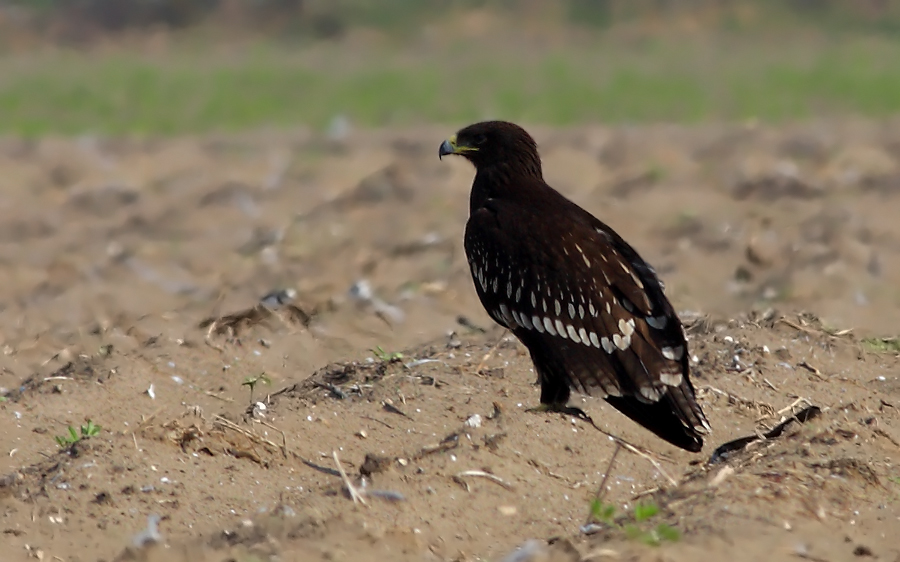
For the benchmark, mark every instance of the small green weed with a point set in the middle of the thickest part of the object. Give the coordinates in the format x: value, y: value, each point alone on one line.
x: 882, y: 345
x: 88, y: 430
x: 641, y: 514
x: 603, y: 511
x: 653, y: 537
x: 251, y: 382
x: 383, y: 355
x: 645, y: 511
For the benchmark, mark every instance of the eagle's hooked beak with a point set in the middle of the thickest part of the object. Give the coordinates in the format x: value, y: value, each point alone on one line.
x: 447, y: 147
x: 450, y: 146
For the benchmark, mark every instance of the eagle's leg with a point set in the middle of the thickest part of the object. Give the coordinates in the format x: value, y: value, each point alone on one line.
x: 555, y: 397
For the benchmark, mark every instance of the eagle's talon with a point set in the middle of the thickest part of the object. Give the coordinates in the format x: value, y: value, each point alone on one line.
x: 539, y: 409
x: 560, y: 409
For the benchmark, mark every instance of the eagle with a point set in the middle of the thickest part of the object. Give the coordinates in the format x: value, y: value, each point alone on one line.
x: 591, y: 312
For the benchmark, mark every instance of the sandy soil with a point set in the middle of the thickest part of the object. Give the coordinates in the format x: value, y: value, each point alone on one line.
x: 122, y: 261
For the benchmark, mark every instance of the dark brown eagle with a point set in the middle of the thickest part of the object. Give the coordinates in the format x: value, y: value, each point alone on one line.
x: 591, y: 312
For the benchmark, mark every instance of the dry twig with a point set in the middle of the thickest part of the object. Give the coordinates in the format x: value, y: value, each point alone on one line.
x: 249, y: 434
x: 481, y: 474
x: 491, y: 352
x: 790, y: 407
x: 284, y: 449
x: 634, y: 449
x: 812, y: 370
x: 601, y: 490
x: 354, y: 493
x: 763, y: 409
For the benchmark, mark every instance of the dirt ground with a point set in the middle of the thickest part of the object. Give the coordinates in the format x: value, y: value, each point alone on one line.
x: 132, y: 271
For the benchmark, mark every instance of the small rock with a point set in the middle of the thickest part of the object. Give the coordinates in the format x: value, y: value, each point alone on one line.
x: 374, y: 464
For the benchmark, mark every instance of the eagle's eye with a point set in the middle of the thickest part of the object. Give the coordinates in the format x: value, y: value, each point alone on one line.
x: 480, y: 139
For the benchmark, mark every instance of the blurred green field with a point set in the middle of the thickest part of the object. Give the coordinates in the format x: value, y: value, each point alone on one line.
x: 613, y: 81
